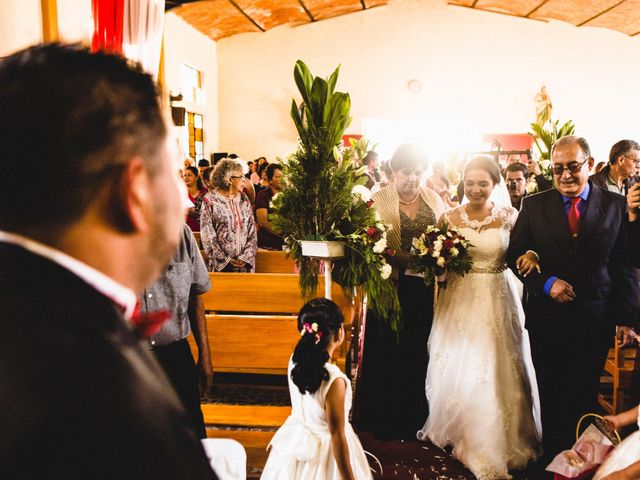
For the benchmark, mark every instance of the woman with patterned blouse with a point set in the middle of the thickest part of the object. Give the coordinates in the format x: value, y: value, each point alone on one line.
x: 227, y: 226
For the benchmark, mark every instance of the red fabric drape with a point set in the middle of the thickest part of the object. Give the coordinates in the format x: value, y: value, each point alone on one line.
x: 108, y: 21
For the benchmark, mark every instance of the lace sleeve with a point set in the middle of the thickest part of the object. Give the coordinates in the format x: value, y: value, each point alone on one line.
x: 509, y: 217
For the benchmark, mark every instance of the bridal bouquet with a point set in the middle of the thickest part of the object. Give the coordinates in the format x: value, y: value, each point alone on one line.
x: 440, y: 250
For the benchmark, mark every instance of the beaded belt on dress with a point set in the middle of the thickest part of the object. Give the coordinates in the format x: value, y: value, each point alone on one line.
x: 490, y: 269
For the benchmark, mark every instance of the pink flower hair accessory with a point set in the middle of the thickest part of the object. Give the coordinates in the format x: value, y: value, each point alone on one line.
x: 311, y: 329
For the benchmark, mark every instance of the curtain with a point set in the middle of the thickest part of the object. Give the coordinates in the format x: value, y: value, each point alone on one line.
x: 142, y: 33
x: 107, y: 25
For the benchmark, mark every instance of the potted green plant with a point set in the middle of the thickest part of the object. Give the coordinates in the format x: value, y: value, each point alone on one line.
x: 324, y: 199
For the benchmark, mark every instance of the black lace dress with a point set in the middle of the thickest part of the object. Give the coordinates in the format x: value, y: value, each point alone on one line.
x: 391, y: 399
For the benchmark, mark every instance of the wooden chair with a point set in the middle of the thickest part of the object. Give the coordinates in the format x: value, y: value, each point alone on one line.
x: 620, y: 377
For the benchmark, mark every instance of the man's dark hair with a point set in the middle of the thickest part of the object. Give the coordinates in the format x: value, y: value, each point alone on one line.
x: 81, y: 116
x: 621, y: 148
x: 232, y: 156
x: 516, y: 167
x: 271, y: 170
x: 203, y: 162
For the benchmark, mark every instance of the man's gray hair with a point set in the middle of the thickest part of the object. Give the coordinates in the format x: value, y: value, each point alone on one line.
x: 221, y: 175
x: 571, y: 140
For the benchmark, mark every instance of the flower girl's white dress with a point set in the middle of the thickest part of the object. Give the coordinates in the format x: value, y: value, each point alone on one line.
x: 301, y: 448
x: 623, y: 455
x: 481, y: 385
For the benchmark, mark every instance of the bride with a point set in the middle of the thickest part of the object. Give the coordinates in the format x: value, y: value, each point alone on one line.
x: 481, y: 386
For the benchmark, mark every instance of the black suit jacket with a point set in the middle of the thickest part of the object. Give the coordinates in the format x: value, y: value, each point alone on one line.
x: 79, y: 397
x: 595, y: 263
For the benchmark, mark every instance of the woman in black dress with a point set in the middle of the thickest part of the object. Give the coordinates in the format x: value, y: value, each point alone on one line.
x: 391, y: 399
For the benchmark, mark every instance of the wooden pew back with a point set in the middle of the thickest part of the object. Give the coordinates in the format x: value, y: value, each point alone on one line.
x: 252, y: 321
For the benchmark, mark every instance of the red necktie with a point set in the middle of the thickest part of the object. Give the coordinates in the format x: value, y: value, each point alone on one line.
x: 574, y: 217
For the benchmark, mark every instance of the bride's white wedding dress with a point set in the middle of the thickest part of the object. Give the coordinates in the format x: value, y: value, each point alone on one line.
x: 481, y: 386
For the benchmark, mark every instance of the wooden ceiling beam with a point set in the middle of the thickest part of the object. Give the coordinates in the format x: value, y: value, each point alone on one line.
x: 304, y: 7
x: 536, y: 9
x: 602, y: 12
x: 232, y: 2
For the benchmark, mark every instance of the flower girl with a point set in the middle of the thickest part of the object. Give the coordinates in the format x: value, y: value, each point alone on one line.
x: 317, y: 442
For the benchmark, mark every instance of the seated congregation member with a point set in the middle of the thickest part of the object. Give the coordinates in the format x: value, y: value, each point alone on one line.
x: 517, y: 179
x: 373, y: 176
x: 81, y: 396
x: 439, y: 183
x: 196, y: 191
x: 263, y: 183
x: 267, y: 239
x: 179, y: 292
x: 317, y: 440
x: 227, y: 227
x: 620, y: 173
x: 584, y: 289
x: 391, y: 399
x: 203, y: 164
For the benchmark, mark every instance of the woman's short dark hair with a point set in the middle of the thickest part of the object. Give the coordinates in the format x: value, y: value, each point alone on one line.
x: 408, y: 156
x: 318, y: 320
x: 271, y: 170
x: 484, y: 163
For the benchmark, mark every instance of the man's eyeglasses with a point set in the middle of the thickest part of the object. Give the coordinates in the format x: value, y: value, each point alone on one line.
x: 636, y: 161
x: 573, y: 167
x: 237, y: 176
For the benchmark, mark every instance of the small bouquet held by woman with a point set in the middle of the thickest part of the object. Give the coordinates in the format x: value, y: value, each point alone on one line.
x: 439, y: 250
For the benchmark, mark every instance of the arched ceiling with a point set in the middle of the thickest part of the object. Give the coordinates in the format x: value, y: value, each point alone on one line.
x: 223, y: 18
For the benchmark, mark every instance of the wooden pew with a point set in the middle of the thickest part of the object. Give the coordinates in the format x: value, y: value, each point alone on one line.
x: 252, y: 329
x: 252, y: 321
x: 269, y: 261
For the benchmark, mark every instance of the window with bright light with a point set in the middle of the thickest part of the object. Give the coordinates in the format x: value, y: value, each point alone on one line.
x: 191, y: 85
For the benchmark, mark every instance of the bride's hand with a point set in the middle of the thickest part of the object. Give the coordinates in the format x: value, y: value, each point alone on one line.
x: 527, y: 263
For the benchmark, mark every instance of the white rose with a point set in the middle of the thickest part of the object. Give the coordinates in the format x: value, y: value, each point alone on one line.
x: 440, y: 262
x: 385, y: 271
x: 456, y: 240
x: 454, y: 252
x: 377, y: 216
x: 380, y: 245
x: 362, y: 192
x: 437, y: 245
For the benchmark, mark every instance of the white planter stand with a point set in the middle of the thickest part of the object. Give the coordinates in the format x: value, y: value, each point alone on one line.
x: 327, y: 251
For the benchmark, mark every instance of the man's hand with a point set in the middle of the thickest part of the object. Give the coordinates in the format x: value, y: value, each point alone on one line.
x: 625, y: 336
x: 534, y: 167
x: 205, y: 378
x: 633, y: 202
x: 527, y: 263
x: 562, y: 292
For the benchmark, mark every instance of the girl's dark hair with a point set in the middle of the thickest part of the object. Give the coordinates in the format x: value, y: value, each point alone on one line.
x: 310, y: 353
x: 196, y: 172
x: 487, y: 164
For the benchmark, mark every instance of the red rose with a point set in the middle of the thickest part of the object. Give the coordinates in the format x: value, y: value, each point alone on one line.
x: 448, y: 244
x: 372, y: 232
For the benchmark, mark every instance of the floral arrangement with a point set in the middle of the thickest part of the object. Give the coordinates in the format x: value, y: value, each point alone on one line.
x: 440, y: 250
x: 324, y: 198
